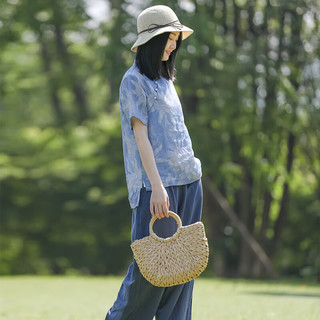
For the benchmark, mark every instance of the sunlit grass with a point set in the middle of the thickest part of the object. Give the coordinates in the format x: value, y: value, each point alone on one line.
x: 88, y: 298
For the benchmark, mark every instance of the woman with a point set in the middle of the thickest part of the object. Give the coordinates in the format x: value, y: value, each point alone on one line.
x: 161, y: 170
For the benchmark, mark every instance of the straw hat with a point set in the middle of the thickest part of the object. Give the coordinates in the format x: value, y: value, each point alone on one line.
x: 157, y: 20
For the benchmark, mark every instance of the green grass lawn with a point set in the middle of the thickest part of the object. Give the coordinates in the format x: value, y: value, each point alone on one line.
x: 88, y: 298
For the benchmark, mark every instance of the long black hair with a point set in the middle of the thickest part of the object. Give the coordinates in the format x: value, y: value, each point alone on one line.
x: 149, y: 58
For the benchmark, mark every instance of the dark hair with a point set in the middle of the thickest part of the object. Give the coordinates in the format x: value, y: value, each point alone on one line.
x: 149, y: 56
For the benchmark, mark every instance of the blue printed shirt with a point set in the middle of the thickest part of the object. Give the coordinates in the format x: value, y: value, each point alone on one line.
x: 156, y: 104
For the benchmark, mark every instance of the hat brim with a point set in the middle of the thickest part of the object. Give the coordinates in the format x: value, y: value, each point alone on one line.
x: 146, y: 36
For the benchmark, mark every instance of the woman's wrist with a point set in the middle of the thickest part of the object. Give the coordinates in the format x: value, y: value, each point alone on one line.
x: 156, y: 184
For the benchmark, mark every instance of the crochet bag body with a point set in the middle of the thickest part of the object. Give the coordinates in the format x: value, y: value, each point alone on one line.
x: 166, y: 262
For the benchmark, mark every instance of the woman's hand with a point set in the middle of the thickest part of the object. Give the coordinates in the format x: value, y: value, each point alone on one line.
x: 159, y: 202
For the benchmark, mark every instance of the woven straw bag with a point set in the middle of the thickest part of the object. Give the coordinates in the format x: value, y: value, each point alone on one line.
x: 166, y: 262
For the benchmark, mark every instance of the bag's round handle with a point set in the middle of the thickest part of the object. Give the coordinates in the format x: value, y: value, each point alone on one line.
x: 154, y: 218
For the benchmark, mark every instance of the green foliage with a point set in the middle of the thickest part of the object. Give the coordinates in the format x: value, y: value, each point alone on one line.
x: 66, y: 207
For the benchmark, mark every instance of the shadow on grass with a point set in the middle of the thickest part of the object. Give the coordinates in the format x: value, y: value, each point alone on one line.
x: 283, y: 293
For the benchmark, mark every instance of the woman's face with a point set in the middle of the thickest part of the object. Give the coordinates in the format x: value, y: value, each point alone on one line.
x: 171, y: 45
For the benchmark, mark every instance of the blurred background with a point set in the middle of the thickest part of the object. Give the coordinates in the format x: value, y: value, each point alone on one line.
x: 249, y: 83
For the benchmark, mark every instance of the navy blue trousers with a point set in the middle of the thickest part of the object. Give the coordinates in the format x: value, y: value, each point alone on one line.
x: 138, y: 299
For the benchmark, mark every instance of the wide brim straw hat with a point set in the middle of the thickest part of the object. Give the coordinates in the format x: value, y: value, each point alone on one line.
x: 157, y: 20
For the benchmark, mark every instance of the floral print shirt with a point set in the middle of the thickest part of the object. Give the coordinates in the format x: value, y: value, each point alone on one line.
x: 155, y: 104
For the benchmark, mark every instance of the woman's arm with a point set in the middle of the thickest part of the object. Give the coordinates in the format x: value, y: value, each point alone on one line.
x: 159, y: 201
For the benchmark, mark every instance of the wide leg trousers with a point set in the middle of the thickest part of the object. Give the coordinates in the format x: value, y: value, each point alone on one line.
x: 138, y: 299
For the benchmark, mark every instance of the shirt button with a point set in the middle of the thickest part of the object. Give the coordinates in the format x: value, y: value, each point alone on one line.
x: 156, y: 90
x: 155, y: 98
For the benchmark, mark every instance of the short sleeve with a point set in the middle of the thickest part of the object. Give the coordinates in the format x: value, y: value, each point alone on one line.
x: 133, y: 102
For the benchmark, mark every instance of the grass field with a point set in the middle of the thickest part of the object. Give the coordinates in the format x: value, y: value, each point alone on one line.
x: 88, y: 298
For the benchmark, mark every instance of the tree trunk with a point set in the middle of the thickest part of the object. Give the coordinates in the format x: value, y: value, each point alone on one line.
x: 262, y: 236
x: 236, y: 24
x: 294, y: 50
x: 247, y: 216
x: 265, y: 217
x: 55, y: 101
x: 224, y: 16
x: 251, y: 10
x: 75, y: 83
x: 283, y: 212
x: 240, y: 226
x: 215, y: 225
